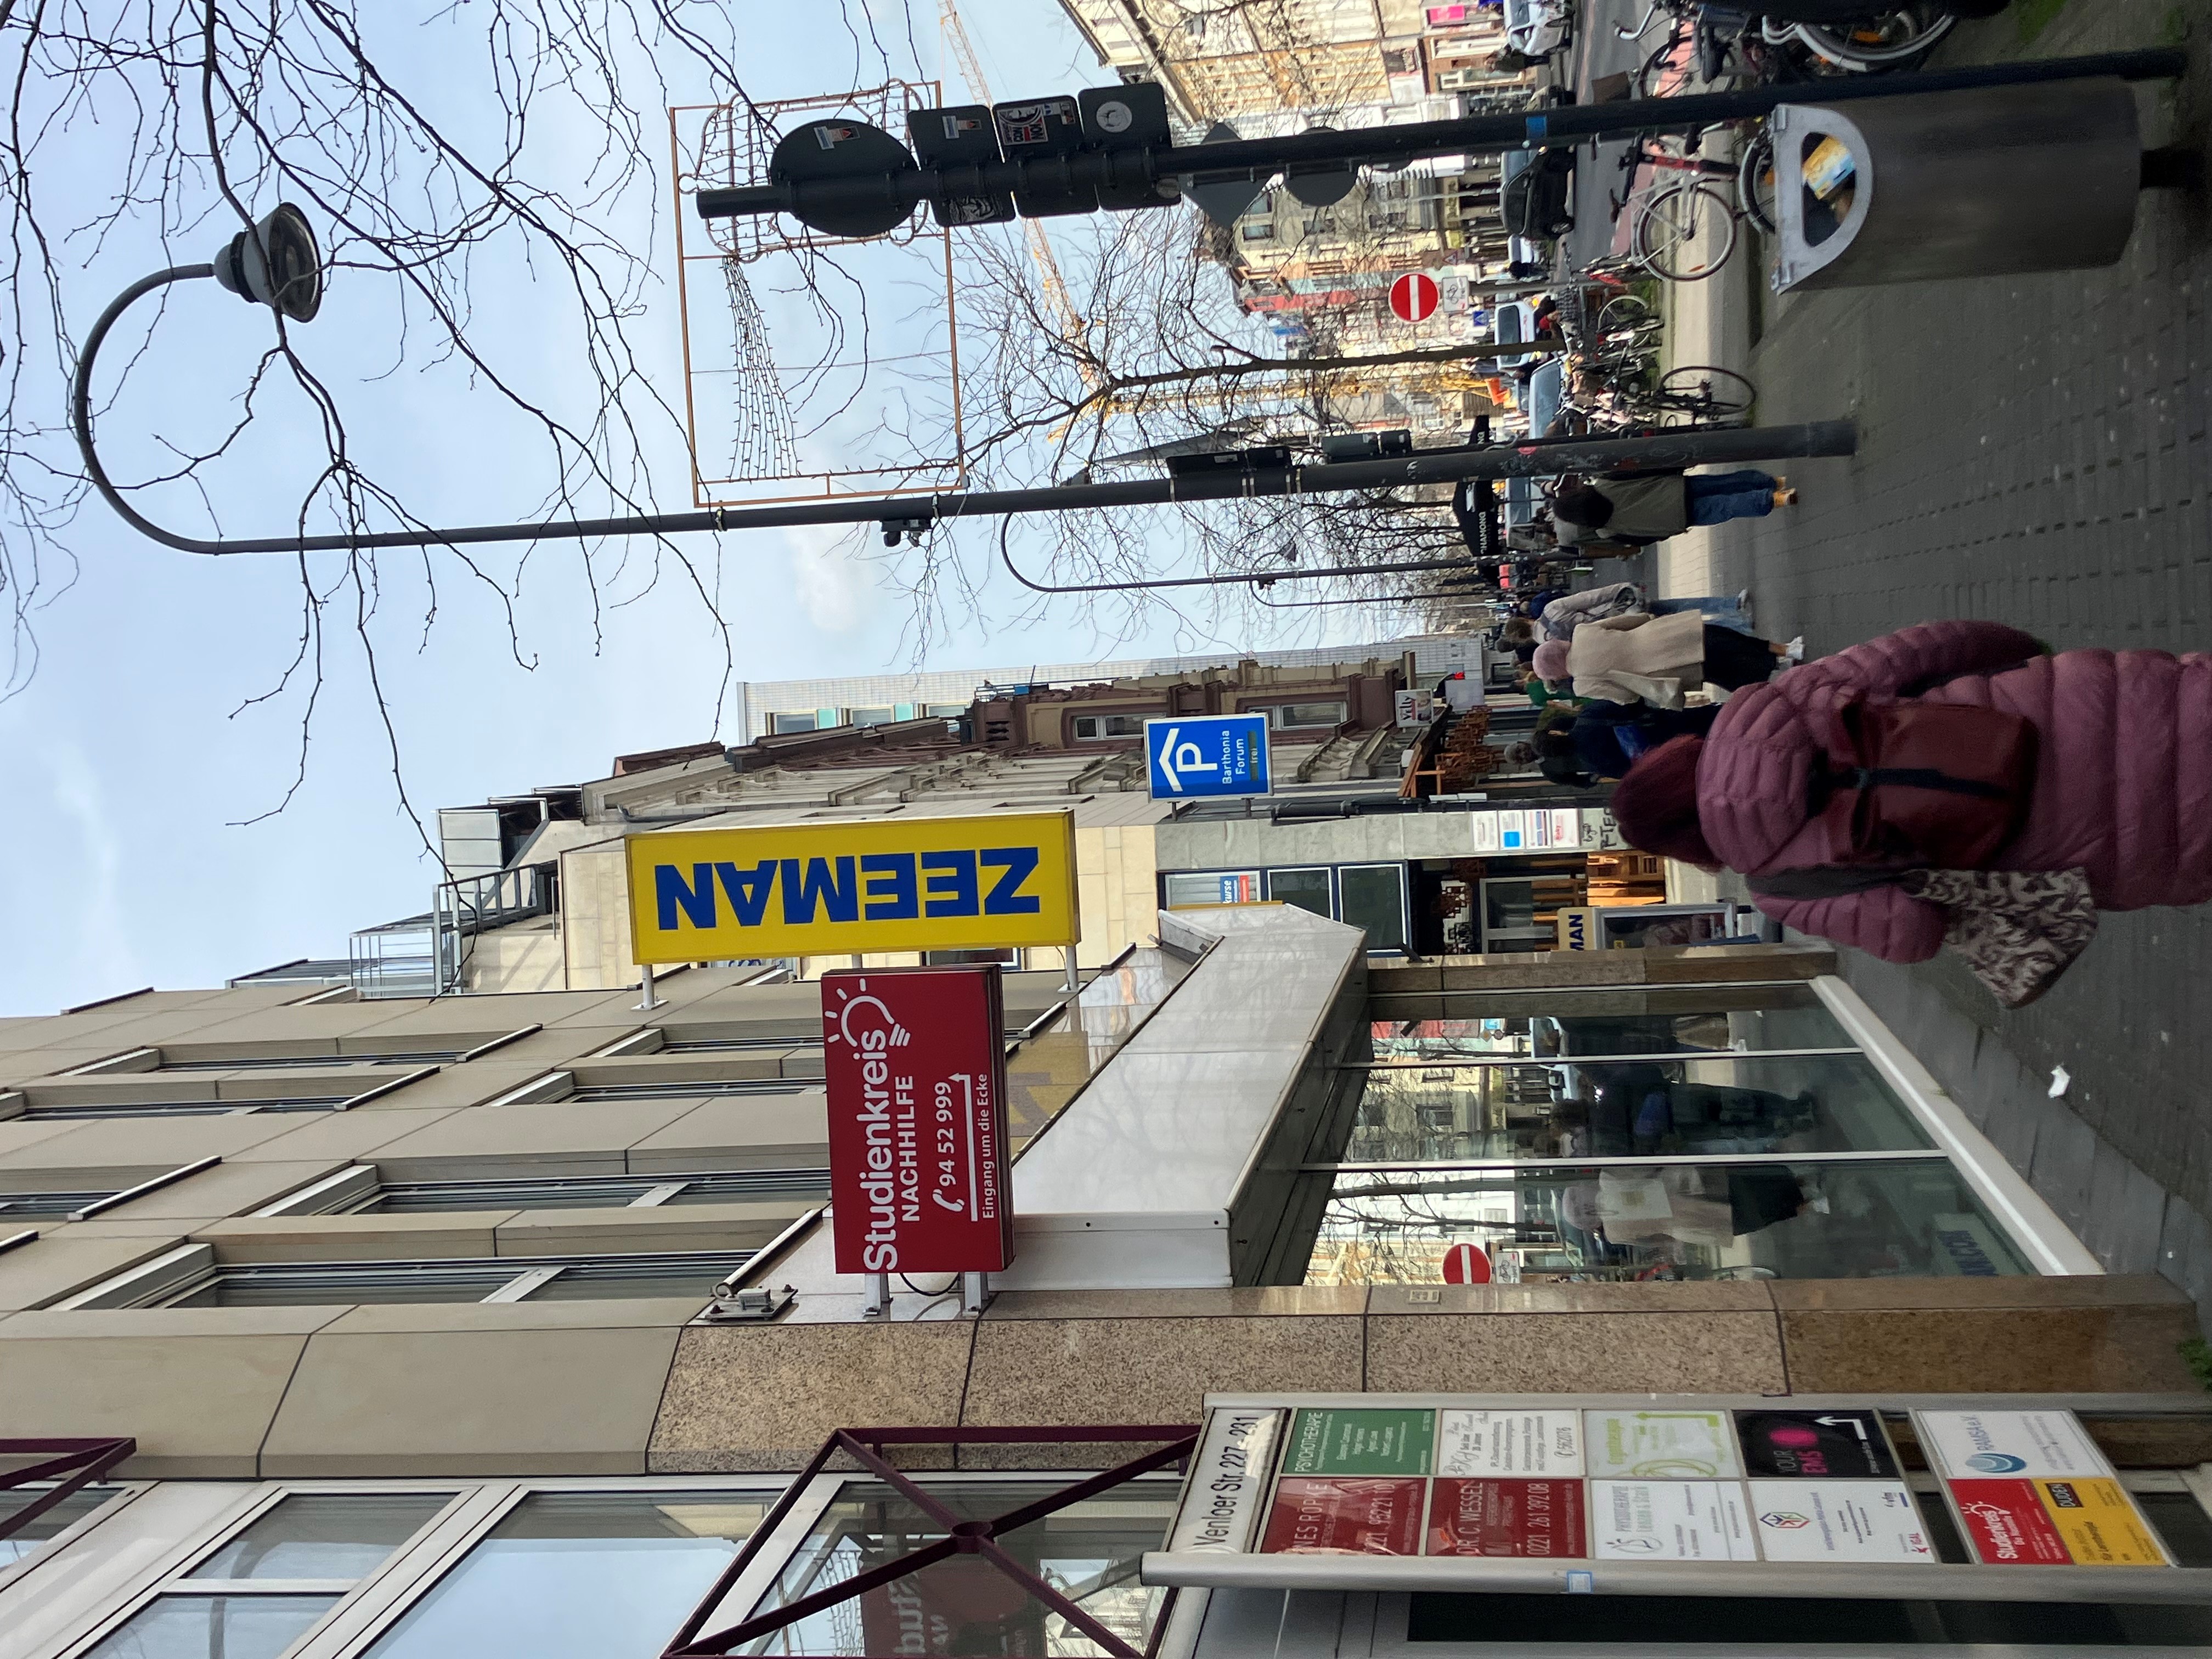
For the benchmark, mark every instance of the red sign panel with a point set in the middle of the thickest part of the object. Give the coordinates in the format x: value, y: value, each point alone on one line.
x: 1466, y: 1264
x: 1340, y: 1514
x: 1507, y: 1517
x: 916, y: 1070
x: 2007, y: 1525
x: 1413, y: 297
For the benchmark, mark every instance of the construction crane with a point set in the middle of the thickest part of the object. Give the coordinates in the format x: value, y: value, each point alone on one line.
x: 1055, y: 289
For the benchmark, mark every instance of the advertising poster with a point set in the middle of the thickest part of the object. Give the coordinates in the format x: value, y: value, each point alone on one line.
x: 1537, y: 1518
x: 1847, y: 1445
x: 1317, y: 1516
x: 1329, y: 1441
x: 2099, y: 1524
x: 2035, y: 1445
x: 915, y: 1068
x: 1494, y: 1443
x: 1661, y: 1445
x: 1670, y: 1521
x: 1805, y: 1520
x: 2006, y: 1524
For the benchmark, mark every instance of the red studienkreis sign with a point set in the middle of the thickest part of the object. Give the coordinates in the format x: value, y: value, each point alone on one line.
x: 916, y: 1073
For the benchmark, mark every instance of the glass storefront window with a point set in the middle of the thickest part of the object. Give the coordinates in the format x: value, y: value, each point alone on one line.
x: 323, y: 1535
x: 1088, y: 1551
x: 1373, y: 896
x: 1879, y: 1218
x: 1625, y: 1021
x: 589, y: 1575
x: 1307, y: 889
x: 1739, y: 1104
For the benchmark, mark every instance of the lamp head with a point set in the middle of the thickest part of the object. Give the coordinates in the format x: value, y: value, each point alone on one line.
x: 275, y: 263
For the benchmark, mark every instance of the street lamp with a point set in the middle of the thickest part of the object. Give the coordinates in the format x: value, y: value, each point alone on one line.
x: 275, y: 263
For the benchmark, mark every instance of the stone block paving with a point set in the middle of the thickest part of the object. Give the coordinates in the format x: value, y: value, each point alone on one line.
x: 2034, y: 449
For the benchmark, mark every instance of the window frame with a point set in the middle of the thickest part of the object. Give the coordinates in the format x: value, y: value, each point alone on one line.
x: 166, y: 1279
x: 365, y: 1611
x: 1077, y: 735
x: 352, y: 1190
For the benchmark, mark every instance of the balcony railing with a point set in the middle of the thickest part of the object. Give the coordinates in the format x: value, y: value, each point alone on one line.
x: 427, y: 956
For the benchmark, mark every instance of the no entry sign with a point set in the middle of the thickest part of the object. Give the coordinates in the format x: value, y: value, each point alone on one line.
x: 1413, y: 297
x: 1466, y: 1264
x: 915, y: 1068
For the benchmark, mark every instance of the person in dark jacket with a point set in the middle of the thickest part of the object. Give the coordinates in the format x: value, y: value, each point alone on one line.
x: 1607, y: 737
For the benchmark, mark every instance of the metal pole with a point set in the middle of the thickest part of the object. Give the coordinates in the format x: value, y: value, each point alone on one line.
x: 646, y: 1001
x: 1499, y: 1575
x: 975, y: 1292
x: 875, y: 1296
x: 917, y: 512
x: 1138, y: 169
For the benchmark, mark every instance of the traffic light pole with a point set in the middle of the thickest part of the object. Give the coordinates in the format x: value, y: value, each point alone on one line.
x: 1138, y: 170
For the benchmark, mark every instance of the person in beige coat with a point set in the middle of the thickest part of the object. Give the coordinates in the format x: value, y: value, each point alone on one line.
x: 1658, y: 659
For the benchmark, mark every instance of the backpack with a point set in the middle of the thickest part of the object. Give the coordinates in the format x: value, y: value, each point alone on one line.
x: 1933, y: 784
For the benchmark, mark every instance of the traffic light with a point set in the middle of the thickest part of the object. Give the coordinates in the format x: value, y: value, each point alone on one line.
x: 978, y: 165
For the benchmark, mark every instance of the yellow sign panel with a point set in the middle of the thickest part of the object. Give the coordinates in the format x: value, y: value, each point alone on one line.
x: 895, y: 884
x: 2099, y: 1522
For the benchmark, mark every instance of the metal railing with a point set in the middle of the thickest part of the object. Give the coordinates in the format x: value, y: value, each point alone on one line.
x: 427, y: 956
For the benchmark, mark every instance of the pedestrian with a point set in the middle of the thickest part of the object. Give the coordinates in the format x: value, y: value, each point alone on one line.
x: 1562, y: 616
x: 1606, y: 737
x: 1951, y: 783
x: 1640, y: 508
x: 1658, y: 659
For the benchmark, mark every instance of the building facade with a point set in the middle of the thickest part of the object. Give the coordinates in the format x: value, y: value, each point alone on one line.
x: 509, y: 1325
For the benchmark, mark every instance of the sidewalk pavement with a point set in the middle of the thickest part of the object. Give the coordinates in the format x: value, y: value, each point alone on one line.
x: 2033, y: 450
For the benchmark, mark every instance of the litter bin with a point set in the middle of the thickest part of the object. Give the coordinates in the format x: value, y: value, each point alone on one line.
x: 1981, y: 183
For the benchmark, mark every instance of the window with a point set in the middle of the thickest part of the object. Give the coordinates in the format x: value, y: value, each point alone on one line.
x: 26, y: 1539
x: 1307, y: 889
x: 188, y: 1108
x: 275, y: 1062
x: 1373, y: 896
x: 20, y: 1206
x: 1292, y: 716
x: 1091, y: 728
x: 881, y: 716
x: 579, y: 1574
x: 1256, y: 230
x: 1088, y: 1551
x: 1227, y: 887
x: 259, y: 1592
x: 360, y: 1191
x: 1682, y: 1132
x: 190, y: 1276
x: 948, y: 711
x: 801, y: 721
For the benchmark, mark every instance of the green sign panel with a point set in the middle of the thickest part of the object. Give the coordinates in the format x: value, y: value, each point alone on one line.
x: 1330, y: 1442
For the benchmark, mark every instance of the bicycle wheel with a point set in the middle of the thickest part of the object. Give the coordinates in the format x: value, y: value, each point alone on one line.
x: 1719, y: 394
x: 1659, y: 75
x: 1889, y: 40
x: 1623, y: 311
x: 1754, y: 181
x: 1686, y: 233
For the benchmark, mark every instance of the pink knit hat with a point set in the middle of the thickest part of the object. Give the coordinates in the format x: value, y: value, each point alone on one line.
x: 1550, y: 660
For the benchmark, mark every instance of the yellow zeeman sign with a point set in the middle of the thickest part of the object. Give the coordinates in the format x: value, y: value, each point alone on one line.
x: 895, y: 883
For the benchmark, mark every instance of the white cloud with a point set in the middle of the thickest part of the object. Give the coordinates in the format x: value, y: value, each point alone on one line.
x: 835, y: 588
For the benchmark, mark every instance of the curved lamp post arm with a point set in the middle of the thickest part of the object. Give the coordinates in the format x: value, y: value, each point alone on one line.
x: 81, y: 408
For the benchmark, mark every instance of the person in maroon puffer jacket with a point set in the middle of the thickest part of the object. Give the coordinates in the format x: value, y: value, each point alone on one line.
x: 2123, y: 778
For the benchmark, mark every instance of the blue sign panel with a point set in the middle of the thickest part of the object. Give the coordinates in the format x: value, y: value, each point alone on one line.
x: 1207, y: 754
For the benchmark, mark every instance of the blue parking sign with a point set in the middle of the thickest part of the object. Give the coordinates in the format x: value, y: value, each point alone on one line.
x: 1207, y: 754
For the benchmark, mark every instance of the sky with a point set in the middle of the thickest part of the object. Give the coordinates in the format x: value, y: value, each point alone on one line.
x: 144, y: 777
